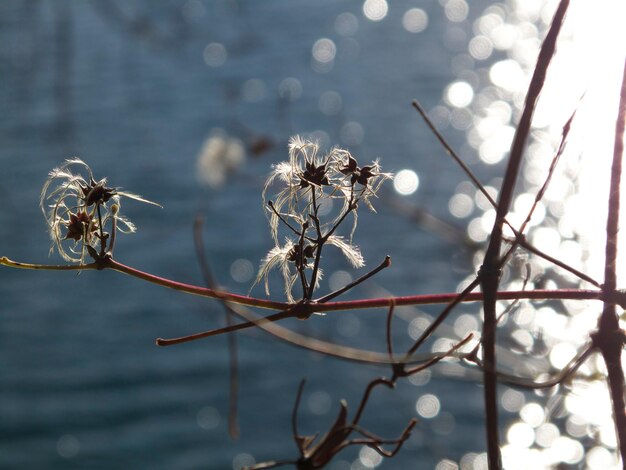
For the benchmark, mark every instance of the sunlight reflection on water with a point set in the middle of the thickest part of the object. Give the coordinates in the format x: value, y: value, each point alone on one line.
x: 496, y: 55
x: 583, y: 77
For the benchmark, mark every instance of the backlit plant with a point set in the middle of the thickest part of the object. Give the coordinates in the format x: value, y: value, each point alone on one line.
x: 310, y: 185
x: 313, y: 195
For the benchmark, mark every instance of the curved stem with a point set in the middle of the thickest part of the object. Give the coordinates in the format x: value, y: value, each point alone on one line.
x: 4, y: 261
x: 226, y: 329
x: 196, y: 290
x: 616, y: 296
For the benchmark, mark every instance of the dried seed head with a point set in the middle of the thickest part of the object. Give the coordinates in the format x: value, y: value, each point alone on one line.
x: 97, y: 193
x: 76, y: 208
x: 80, y: 225
x: 305, y: 184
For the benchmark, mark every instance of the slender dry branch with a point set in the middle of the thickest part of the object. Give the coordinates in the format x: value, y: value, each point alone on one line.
x: 610, y: 339
x: 209, y: 280
x: 531, y: 384
x: 385, y: 264
x: 617, y: 296
x: 520, y: 239
x: 490, y: 271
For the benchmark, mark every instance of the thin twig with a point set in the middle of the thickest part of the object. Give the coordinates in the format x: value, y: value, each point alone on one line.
x: 227, y: 329
x: 209, y: 280
x: 385, y: 264
x: 530, y: 384
x: 490, y: 271
x: 388, y: 331
x: 282, y: 219
x: 616, y: 296
x: 610, y: 339
x: 294, y: 416
x: 452, y: 153
x: 444, y: 314
x: 520, y: 239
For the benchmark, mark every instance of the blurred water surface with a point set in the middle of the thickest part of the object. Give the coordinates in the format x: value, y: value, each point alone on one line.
x: 136, y: 89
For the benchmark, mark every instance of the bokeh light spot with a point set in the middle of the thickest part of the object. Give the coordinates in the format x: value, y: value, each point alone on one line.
x: 459, y: 94
x: 406, y: 182
x: 375, y: 10
x: 241, y: 270
x: 420, y: 378
x: 339, y: 279
x: 369, y: 457
x: 600, y: 458
x: 446, y: 464
x: 461, y: 205
x: 324, y: 50
x: 428, y: 406
x: 508, y: 75
x: 493, y: 150
x: 346, y: 24
x: 352, y: 133
x: 561, y: 354
x: 456, y: 10
x: 290, y: 89
x: 568, y: 450
x: 444, y: 424
x: 532, y: 414
x: 415, y: 20
x: 520, y: 435
x: 480, y: 47
x: 330, y: 103
x: 214, y: 54
x: 546, y: 434
x: 512, y: 400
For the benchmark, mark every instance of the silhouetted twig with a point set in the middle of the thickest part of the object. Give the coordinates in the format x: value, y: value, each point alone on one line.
x: 233, y: 427
x: 490, y: 270
x: 610, y: 338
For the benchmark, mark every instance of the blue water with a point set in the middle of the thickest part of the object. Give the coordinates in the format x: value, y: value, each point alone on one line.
x: 82, y: 384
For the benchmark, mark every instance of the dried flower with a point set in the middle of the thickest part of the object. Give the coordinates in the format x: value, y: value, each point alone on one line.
x: 76, y: 208
x: 291, y: 260
x: 306, y: 183
x: 316, y: 452
x: 304, y: 172
x: 369, y: 177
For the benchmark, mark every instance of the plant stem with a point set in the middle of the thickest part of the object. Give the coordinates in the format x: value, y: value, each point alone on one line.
x: 385, y: 264
x: 617, y: 297
x: 609, y: 339
x: 319, y: 244
x: 226, y: 329
x: 196, y: 290
x: 490, y: 271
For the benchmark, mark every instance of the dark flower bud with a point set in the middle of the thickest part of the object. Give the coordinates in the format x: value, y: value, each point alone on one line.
x: 314, y: 175
x: 97, y: 193
x: 79, y: 226
x: 357, y: 175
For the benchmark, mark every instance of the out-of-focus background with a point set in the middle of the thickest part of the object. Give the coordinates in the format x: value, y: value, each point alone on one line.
x: 189, y: 103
